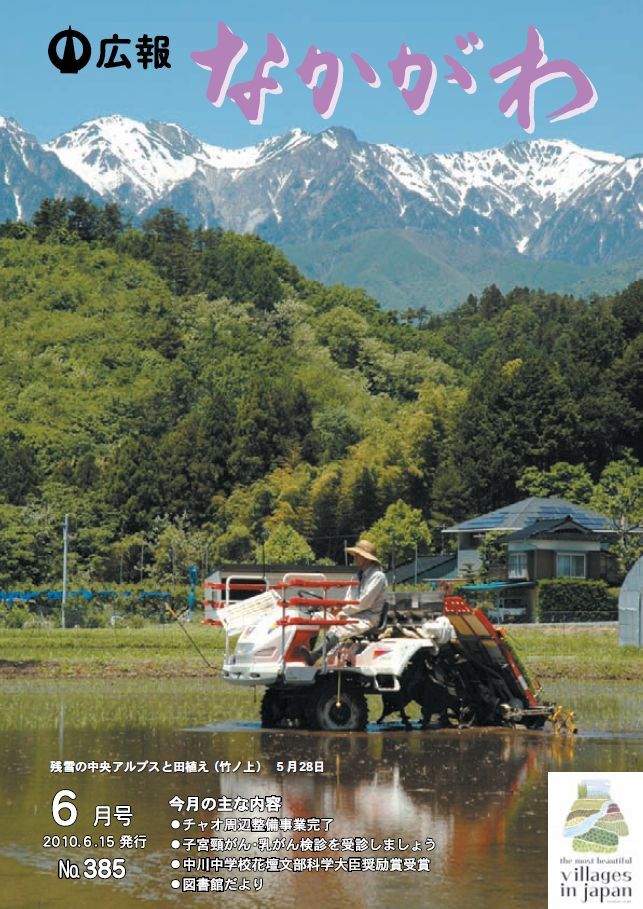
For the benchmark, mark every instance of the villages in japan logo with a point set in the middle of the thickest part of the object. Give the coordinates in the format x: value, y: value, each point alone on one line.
x: 596, y: 827
x: 595, y: 822
x: 70, y: 51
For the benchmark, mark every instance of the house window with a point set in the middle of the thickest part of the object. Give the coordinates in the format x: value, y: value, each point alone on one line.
x: 570, y: 565
x: 517, y: 565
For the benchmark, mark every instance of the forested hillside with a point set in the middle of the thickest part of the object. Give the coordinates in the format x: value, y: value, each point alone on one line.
x: 185, y: 394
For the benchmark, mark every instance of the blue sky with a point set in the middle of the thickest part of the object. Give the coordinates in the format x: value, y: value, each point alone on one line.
x: 602, y: 38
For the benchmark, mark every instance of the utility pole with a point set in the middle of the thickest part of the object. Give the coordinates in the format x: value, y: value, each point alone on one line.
x: 416, y: 565
x: 65, y: 553
x: 393, y: 570
x: 264, y: 537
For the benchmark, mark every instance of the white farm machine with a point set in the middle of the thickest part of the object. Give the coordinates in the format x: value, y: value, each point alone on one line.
x: 444, y: 655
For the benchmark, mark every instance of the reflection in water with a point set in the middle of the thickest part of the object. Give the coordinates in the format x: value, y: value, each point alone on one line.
x: 469, y: 791
x: 479, y: 794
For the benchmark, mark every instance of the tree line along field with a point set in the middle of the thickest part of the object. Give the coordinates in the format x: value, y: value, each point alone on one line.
x: 187, y: 396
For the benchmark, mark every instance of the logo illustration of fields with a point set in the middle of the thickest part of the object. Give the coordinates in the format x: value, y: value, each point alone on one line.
x: 595, y: 821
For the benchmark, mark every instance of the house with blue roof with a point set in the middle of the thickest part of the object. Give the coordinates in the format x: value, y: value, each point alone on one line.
x: 544, y: 538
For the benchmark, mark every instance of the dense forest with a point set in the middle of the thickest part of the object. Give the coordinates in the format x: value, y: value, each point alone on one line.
x: 188, y: 396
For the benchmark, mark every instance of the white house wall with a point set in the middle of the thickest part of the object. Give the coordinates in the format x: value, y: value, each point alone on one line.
x: 468, y: 558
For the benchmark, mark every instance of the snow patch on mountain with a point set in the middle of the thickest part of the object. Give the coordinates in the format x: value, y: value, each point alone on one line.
x: 539, y: 197
x: 150, y: 159
x: 549, y: 171
x: 111, y: 151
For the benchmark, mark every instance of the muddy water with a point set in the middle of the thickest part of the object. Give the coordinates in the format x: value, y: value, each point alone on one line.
x: 480, y: 795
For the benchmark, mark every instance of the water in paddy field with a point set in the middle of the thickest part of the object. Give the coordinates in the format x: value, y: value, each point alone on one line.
x: 479, y: 794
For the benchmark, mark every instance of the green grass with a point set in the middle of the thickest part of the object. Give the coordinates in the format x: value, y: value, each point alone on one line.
x: 163, y: 651
x: 575, y: 652
x: 156, y: 650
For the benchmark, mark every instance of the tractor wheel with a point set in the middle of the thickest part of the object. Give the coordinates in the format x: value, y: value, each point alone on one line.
x: 272, y: 709
x: 348, y: 713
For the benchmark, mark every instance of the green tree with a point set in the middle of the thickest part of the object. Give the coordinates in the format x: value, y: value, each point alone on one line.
x: 292, y: 485
x: 359, y: 504
x: 518, y: 413
x: 83, y: 219
x: 236, y: 545
x: 18, y: 546
x: 16, y: 230
x: 337, y: 429
x: 342, y: 331
x: 285, y: 546
x: 242, y: 268
x: 126, y: 558
x: 492, y: 554
x: 325, y: 495
x: 402, y: 528
x: 176, y: 547
x: 131, y: 482
x: 50, y: 220
x: 619, y: 496
x: 491, y: 302
x: 273, y: 419
x: 18, y: 469
x: 110, y: 223
x: 30, y: 545
x: 194, y: 459
x: 167, y: 243
x: 563, y: 480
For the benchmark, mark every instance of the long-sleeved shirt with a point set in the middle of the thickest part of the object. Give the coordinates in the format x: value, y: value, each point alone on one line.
x: 371, y: 595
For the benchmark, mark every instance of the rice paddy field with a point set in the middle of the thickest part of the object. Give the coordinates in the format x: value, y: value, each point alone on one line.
x: 138, y: 697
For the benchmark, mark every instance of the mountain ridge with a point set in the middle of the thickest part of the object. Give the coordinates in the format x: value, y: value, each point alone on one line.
x: 539, y: 200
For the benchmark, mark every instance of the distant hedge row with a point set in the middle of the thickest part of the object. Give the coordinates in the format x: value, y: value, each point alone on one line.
x: 569, y: 600
x: 98, y: 613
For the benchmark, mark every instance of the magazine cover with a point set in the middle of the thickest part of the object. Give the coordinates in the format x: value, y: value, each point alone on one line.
x: 321, y: 497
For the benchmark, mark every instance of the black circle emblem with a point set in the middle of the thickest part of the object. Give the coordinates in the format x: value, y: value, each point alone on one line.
x: 68, y: 62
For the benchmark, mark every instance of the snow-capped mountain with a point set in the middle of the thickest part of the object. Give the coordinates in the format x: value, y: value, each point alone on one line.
x: 140, y: 163
x: 601, y: 219
x: 28, y: 173
x: 534, y: 202
x: 521, y: 197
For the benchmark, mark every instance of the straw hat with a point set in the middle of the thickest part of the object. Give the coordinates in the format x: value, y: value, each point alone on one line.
x: 365, y: 549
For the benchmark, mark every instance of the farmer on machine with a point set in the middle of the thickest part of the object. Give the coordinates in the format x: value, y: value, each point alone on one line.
x: 371, y: 594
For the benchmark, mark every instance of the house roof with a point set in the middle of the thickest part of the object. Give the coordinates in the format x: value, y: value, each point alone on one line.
x: 532, y: 510
x: 551, y: 530
x: 442, y: 563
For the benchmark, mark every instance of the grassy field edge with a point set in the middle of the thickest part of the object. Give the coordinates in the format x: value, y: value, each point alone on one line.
x: 164, y: 651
